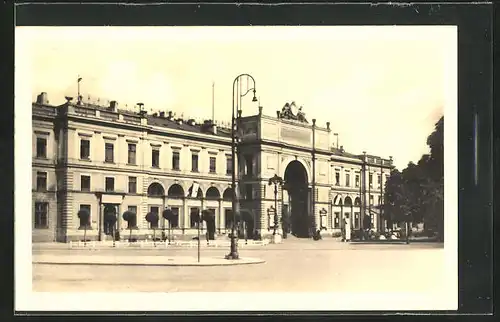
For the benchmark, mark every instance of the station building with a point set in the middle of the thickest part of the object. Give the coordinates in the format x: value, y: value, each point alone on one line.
x: 109, y: 160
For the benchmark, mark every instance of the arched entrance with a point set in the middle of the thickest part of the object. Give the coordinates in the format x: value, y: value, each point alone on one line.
x: 296, y: 184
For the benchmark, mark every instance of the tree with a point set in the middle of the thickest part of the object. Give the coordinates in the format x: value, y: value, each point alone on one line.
x: 416, y: 193
x: 169, y: 215
x: 152, y: 218
x: 209, y: 217
x: 131, y: 218
x: 84, y: 216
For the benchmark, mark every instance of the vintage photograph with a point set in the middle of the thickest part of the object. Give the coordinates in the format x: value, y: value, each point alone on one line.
x: 162, y: 162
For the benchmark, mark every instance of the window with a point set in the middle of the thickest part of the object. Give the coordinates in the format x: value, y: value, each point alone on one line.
x: 132, y: 184
x: 84, y: 223
x: 192, y: 217
x: 337, y: 178
x: 229, y: 165
x: 41, y: 147
x: 336, y: 223
x: 41, y: 215
x: 371, y: 199
x: 154, y: 224
x: 176, y: 158
x: 357, y: 180
x: 155, y: 158
x: 133, y: 223
x: 84, y: 149
x: 109, y: 153
x: 41, y: 181
x: 248, y: 192
x: 249, y: 165
x: 347, y: 177
x: 110, y: 184
x: 213, y: 164
x: 356, y: 220
x: 131, y: 153
x: 379, y: 180
x: 194, y: 162
x: 379, y: 200
x: 370, y: 179
x: 85, y: 183
x: 174, y: 223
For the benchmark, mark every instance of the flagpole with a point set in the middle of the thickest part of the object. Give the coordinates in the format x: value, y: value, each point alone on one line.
x: 78, y: 81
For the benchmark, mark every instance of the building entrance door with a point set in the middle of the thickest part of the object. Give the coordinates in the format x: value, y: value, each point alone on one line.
x: 296, y: 184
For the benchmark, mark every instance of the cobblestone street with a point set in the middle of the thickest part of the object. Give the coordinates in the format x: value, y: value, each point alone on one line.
x: 294, y: 266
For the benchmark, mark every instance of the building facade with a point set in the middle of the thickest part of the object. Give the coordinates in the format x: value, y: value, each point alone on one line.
x: 107, y: 161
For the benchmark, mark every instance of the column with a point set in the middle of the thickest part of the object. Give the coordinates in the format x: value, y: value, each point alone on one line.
x: 218, y: 219
x: 185, y: 217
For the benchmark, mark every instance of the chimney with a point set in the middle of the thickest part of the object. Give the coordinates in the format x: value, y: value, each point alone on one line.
x: 341, y: 148
x: 192, y: 122
x: 328, y: 125
x: 162, y: 114
x: 179, y: 121
x: 42, y: 98
x: 260, y: 110
x: 277, y: 114
x: 170, y: 115
x: 214, y: 128
x: 112, y: 105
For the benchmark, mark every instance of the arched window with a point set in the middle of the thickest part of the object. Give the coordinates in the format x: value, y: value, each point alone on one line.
x: 212, y: 193
x: 228, y: 194
x: 199, y: 194
x: 155, y: 189
x: 175, y: 191
x: 348, y: 201
x: 357, y: 202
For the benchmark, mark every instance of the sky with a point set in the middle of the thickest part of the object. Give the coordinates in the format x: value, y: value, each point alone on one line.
x: 381, y: 88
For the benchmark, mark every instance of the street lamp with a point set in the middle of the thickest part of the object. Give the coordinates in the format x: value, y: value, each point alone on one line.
x: 276, y: 181
x: 233, y: 254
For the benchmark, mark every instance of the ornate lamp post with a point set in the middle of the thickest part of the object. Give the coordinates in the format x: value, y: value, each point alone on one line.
x: 233, y: 254
x: 276, y: 181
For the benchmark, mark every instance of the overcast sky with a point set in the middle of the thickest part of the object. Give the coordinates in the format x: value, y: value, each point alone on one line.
x: 382, y: 88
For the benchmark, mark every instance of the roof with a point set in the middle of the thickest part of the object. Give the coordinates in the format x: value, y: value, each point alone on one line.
x: 184, y: 126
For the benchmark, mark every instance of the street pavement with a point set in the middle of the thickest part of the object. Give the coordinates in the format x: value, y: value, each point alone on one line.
x: 294, y: 266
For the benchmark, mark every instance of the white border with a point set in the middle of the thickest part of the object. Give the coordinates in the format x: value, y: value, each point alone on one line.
x: 27, y: 300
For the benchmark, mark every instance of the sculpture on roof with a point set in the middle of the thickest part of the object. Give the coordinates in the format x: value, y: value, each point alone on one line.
x: 291, y: 112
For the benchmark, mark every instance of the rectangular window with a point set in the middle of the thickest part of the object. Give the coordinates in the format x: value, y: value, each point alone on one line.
x: 83, y: 222
x: 41, y: 181
x: 132, y: 148
x: 248, y: 192
x: 213, y: 164
x: 379, y: 180
x: 371, y: 199
x: 41, y: 147
x: 133, y: 223
x: 175, y: 220
x: 109, y: 153
x: 336, y: 223
x: 357, y: 180
x: 41, y: 215
x: 370, y: 179
x: 229, y: 165
x: 249, y: 165
x: 192, y: 216
x: 84, y: 149
x: 337, y: 178
x: 379, y: 200
x: 347, y: 180
x: 194, y: 162
x: 132, y: 184
x: 110, y: 184
x: 356, y: 220
x: 155, y: 158
x: 85, y: 183
x: 176, y: 160
x: 155, y: 223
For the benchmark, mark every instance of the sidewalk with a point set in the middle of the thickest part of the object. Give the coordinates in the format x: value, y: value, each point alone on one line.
x: 141, y: 260
x: 147, y: 244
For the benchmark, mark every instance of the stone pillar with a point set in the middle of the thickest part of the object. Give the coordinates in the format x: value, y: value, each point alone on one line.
x: 218, y: 218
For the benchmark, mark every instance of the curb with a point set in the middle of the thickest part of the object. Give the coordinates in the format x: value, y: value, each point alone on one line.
x: 248, y: 261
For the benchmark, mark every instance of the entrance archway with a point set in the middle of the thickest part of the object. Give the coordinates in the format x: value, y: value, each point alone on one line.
x: 296, y: 184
